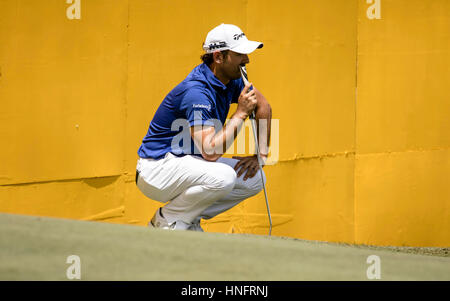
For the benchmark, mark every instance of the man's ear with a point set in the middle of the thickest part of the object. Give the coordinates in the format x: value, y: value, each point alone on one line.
x: 218, y: 57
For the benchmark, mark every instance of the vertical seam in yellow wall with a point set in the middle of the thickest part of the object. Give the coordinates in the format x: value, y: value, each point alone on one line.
x: 355, y: 132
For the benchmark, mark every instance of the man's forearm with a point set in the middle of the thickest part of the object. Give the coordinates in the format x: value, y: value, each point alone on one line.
x: 263, y: 120
x: 226, y: 135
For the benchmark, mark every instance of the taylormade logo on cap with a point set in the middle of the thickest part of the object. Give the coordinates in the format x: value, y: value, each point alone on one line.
x: 229, y: 37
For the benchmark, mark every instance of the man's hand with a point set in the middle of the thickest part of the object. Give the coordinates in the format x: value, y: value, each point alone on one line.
x: 247, y: 102
x: 249, y: 165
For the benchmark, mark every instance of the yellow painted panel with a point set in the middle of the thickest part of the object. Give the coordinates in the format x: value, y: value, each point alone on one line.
x: 307, y: 71
x: 403, y: 198
x: 309, y: 199
x: 62, y: 90
x: 139, y: 208
x: 403, y: 76
x: 99, y: 199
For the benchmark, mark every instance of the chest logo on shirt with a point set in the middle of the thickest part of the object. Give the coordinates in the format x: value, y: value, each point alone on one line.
x: 202, y: 106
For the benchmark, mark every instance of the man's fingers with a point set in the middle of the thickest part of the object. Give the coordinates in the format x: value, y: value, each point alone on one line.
x: 242, y: 160
x: 246, y: 167
x: 241, y: 171
x: 247, y: 86
x: 253, y: 169
x: 243, y: 168
x: 251, y: 93
x: 236, y: 167
x: 250, y: 173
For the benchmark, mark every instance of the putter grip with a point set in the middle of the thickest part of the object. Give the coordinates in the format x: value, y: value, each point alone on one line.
x: 245, y: 79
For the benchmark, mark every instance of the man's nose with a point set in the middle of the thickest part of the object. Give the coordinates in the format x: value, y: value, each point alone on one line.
x: 246, y: 60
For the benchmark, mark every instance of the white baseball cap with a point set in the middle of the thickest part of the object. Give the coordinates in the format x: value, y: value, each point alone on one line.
x: 229, y: 37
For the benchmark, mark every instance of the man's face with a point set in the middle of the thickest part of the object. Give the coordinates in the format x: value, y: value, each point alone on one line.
x: 231, y: 63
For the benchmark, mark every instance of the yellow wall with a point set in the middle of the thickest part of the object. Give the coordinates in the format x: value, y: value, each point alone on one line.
x: 402, y: 193
x: 363, y: 108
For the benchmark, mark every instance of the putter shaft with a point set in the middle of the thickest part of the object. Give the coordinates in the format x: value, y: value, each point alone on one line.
x: 253, y: 121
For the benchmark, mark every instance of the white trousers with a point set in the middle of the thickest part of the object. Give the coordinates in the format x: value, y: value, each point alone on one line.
x: 194, y: 188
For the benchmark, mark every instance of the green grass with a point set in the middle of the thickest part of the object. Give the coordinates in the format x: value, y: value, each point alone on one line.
x: 36, y: 248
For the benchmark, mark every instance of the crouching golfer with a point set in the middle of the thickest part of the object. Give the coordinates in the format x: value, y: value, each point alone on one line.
x: 192, y: 179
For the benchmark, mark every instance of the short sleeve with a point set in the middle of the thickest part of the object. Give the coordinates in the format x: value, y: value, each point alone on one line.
x: 198, y: 107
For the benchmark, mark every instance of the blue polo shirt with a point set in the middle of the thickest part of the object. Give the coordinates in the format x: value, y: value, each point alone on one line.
x: 201, y: 98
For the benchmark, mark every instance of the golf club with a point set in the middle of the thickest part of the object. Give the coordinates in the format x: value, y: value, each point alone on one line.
x: 253, y: 120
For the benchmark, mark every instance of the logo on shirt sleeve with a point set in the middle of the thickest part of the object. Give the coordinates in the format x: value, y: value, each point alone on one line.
x: 202, y: 106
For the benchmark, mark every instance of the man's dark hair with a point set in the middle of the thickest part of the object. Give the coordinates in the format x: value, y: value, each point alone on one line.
x: 207, y: 58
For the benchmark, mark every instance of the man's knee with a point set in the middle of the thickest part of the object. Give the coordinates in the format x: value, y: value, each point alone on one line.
x: 254, y: 185
x: 223, y: 177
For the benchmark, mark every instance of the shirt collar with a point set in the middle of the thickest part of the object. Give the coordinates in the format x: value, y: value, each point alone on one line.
x: 211, y: 78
